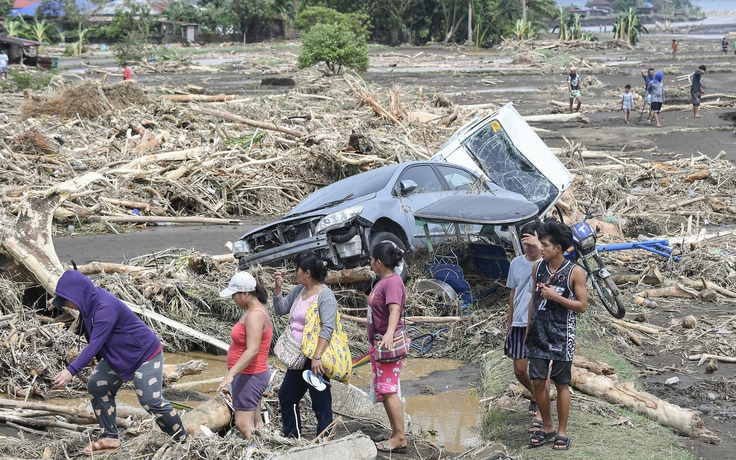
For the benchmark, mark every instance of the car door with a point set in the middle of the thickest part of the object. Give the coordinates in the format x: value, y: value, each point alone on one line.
x: 430, y: 187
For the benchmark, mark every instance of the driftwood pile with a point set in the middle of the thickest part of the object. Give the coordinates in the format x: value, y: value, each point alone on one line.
x: 155, y: 159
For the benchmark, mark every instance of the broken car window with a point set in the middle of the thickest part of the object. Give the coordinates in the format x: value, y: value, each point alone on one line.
x: 507, y: 167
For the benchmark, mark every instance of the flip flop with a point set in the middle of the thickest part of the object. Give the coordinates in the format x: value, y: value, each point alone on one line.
x: 535, y: 426
x: 97, y: 447
x: 383, y: 447
x: 541, y: 438
x: 562, y: 443
x: 380, y: 437
x: 533, y: 408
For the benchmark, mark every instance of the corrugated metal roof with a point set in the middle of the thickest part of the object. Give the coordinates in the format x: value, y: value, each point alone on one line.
x: 19, y: 41
x: 108, y: 9
x: 18, y: 4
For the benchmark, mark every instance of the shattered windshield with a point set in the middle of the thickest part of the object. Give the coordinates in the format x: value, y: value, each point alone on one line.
x: 506, y: 166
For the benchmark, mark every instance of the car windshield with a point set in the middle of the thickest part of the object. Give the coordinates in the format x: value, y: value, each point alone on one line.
x: 352, y: 187
x: 507, y: 167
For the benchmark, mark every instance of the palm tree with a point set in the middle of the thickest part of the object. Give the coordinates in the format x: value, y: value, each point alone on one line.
x: 15, y: 26
x: 628, y: 27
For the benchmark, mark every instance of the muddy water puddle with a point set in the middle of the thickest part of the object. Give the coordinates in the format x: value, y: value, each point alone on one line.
x: 440, y: 395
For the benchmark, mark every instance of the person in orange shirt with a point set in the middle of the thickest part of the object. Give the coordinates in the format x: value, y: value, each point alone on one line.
x: 247, y: 358
x: 126, y: 72
x: 674, y: 48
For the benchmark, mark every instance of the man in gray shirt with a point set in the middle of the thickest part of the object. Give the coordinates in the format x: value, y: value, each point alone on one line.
x: 696, y: 90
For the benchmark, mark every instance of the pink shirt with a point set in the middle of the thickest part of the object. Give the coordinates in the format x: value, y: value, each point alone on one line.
x: 299, y: 317
x: 387, y: 291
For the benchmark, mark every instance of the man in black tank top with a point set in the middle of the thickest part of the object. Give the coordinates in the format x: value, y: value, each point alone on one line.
x: 561, y: 293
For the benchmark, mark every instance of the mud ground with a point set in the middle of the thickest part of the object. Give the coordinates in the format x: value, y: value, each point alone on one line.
x: 681, y: 136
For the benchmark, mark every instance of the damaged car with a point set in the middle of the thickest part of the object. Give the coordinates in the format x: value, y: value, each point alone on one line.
x: 498, y: 155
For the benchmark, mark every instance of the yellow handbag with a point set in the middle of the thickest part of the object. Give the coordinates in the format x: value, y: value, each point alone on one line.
x: 336, y: 358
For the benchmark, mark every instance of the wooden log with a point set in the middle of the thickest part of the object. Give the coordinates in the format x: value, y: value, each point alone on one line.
x: 247, y: 121
x: 701, y: 358
x: 75, y: 412
x: 153, y: 219
x: 557, y: 118
x: 630, y: 334
x: 214, y: 413
x: 197, y: 97
x: 698, y: 175
x: 687, y: 422
x: 415, y: 319
x: 593, y: 366
x: 646, y: 328
x: 697, y: 284
x: 145, y: 207
x: 95, y: 268
x: 350, y: 275
x: 669, y: 291
x: 174, y: 372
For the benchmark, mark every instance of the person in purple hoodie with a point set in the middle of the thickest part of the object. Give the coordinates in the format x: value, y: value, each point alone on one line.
x: 125, y: 348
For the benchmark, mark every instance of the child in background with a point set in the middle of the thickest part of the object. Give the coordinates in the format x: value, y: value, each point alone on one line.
x: 627, y: 102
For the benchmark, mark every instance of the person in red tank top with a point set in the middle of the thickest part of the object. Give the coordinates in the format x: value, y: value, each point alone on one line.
x: 126, y: 72
x: 247, y: 358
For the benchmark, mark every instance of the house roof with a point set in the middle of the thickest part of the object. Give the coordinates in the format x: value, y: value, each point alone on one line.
x: 108, y: 9
x: 18, y: 4
x: 19, y: 41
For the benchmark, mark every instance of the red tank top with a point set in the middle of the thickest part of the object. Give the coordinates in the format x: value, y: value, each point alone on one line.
x: 239, y: 338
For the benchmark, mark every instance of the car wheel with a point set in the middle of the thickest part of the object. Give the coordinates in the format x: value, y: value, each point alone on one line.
x: 385, y: 237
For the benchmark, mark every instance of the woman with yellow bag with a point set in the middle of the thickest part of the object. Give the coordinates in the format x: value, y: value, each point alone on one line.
x: 315, y: 335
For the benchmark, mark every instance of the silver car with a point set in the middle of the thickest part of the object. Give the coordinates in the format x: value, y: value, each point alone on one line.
x: 342, y: 221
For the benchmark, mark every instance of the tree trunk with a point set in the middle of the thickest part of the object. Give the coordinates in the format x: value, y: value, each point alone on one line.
x: 214, y: 414
x: 557, y: 118
x: 687, y: 422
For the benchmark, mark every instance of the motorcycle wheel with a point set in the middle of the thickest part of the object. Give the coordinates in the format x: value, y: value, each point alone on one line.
x: 611, y: 298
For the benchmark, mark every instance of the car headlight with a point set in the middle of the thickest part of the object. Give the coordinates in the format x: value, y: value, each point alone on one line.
x: 240, y: 247
x: 337, y: 218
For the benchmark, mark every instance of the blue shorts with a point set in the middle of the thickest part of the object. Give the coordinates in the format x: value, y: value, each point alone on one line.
x: 247, y: 390
x: 514, y: 345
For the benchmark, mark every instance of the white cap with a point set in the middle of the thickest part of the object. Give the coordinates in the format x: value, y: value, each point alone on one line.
x: 240, y: 282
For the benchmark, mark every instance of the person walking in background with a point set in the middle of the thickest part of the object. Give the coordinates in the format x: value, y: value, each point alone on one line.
x: 126, y: 348
x: 648, y: 76
x: 724, y: 46
x: 520, y: 282
x: 696, y: 90
x: 560, y: 294
x: 311, y: 271
x: 385, y: 309
x: 627, y: 102
x: 573, y: 86
x: 675, y: 46
x: 656, y: 90
x: 4, y: 64
x: 126, y: 72
x: 247, y: 357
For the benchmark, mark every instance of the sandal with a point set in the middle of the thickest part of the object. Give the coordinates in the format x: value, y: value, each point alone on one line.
x: 380, y: 437
x: 533, y: 408
x: 535, y: 426
x: 383, y: 447
x: 99, y: 447
x: 561, y: 443
x: 540, y: 438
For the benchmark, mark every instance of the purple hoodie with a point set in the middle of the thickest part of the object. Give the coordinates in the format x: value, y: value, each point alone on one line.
x: 113, y: 331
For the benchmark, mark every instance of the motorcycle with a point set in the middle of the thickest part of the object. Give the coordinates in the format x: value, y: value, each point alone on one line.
x: 586, y: 255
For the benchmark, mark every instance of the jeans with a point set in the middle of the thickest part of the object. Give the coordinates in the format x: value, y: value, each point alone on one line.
x: 292, y: 390
x: 104, y: 384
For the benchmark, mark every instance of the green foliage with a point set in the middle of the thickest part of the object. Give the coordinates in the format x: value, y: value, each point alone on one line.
x: 6, y: 7
x: 15, y: 26
x: 525, y: 30
x: 21, y: 79
x: 77, y: 47
x: 134, y: 48
x: 628, y: 27
x: 184, y: 12
x: 133, y: 18
x: 623, y: 5
x: 570, y: 27
x: 334, y: 45
x: 355, y: 22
